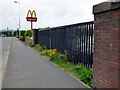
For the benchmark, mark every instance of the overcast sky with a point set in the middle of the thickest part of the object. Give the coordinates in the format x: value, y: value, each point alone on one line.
x: 50, y: 13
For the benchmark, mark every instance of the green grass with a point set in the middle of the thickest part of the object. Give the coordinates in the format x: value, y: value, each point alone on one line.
x: 79, y: 71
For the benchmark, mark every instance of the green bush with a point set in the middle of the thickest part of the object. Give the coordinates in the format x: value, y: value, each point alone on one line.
x: 44, y: 47
x: 86, y: 76
x: 32, y: 45
x: 61, y: 64
x: 45, y: 53
x: 28, y: 33
x: 22, y: 33
x: 64, y: 57
x: 17, y: 36
x: 37, y: 46
x: 65, y: 52
x: 53, y: 57
x: 40, y: 49
x: 22, y: 38
x: 85, y: 73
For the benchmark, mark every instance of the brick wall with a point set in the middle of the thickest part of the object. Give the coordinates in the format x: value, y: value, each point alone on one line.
x: 28, y: 40
x: 106, y: 62
x: 35, y: 36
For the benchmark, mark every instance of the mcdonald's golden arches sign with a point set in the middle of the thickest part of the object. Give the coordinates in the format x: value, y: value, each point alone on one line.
x: 32, y: 16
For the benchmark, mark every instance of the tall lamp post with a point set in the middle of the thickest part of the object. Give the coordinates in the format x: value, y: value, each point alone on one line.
x: 15, y: 23
x: 16, y: 26
x: 19, y: 16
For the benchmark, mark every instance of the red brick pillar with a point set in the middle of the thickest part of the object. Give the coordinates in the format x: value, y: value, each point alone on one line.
x: 35, y: 36
x: 106, y: 62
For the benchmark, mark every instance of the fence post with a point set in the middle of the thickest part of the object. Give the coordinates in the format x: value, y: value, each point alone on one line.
x: 106, y: 61
x: 50, y: 38
x: 35, y: 36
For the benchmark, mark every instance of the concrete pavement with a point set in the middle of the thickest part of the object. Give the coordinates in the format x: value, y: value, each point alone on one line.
x: 28, y: 69
x: 4, y: 53
x: 5, y: 45
x: 5, y: 42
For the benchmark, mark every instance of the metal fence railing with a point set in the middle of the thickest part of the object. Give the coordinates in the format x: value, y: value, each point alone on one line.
x: 77, y: 39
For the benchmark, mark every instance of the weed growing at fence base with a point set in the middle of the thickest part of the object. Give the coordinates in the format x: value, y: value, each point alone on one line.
x: 32, y: 45
x: 79, y: 71
x: 37, y: 46
x: 40, y: 49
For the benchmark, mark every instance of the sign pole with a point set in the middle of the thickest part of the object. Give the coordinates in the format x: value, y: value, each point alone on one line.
x: 31, y: 25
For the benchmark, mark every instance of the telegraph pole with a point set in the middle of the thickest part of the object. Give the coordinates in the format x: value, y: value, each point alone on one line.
x: 19, y: 16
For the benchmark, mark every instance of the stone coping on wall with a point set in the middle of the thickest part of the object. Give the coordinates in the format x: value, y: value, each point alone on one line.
x: 29, y: 38
x: 105, y: 6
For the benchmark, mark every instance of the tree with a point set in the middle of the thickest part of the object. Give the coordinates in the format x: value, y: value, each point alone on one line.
x: 15, y: 33
x: 23, y: 33
x: 7, y: 33
x: 28, y: 33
